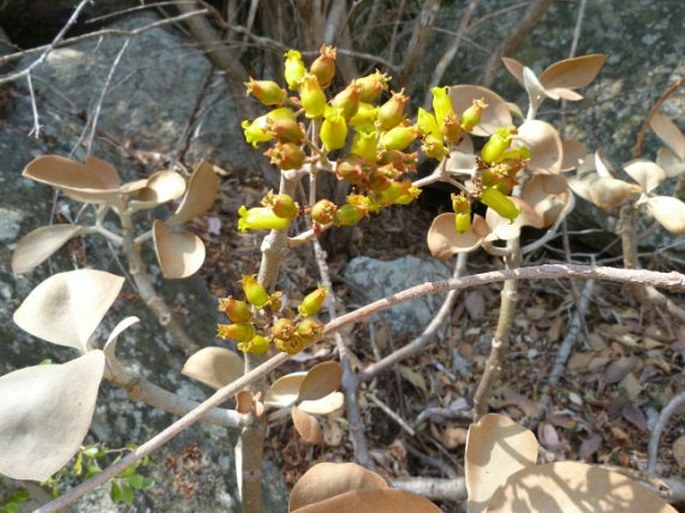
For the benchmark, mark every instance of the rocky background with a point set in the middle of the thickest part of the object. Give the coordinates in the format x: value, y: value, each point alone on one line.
x: 165, y: 104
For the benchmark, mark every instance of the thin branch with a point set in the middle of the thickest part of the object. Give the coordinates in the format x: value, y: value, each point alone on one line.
x: 676, y: 402
x: 454, y: 490
x: 428, y: 335
x: 672, y: 281
x: 418, y: 41
x: 98, y: 106
x: 50, y: 47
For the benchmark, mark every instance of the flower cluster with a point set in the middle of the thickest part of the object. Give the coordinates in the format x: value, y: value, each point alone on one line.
x: 260, y: 320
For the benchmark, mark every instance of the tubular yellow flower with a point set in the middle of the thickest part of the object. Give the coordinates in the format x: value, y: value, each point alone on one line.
x: 400, y: 193
x: 239, y: 332
x: 365, y: 145
x: 333, y: 131
x: 323, y: 66
x: 500, y: 203
x: 312, y: 97
x: 294, y: 69
x: 494, y: 148
x: 442, y: 104
x: 292, y: 346
x: 256, y: 131
x: 313, y: 302
x: 392, y: 112
x: 427, y: 123
x: 260, y: 218
x: 267, y: 92
x: 255, y: 293
x: 462, y: 222
x: 398, y: 138
x: 365, y: 117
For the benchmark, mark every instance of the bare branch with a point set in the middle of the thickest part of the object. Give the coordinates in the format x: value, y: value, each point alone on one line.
x: 419, y: 40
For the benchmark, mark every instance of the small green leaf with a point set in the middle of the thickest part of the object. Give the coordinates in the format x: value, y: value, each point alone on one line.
x: 140, y: 482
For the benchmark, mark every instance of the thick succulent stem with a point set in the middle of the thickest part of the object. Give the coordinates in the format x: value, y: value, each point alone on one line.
x: 251, y: 443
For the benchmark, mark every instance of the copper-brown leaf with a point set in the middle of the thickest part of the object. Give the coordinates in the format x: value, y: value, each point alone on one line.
x: 325, y: 480
x: 307, y: 426
x: 203, y: 187
x: 496, y: 448
x: 321, y: 380
x: 180, y: 253
x: 573, y: 487
x: 39, y: 244
x: 574, y: 72
x: 214, y: 366
x: 669, y: 133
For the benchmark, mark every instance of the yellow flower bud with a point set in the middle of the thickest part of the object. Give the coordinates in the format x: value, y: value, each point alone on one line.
x: 255, y: 293
x: 294, y: 69
x: 500, y: 203
x: 333, y: 131
x: 365, y: 117
x: 313, y: 302
x: 267, y: 92
x: 286, y: 131
x: 373, y: 85
x: 434, y: 148
x: 282, y: 205
x: 398, y: 138
x: 256, y: 345
x: 239, y: 332
x: 399, y: 193
x: 379, y: 179
x: 283, y: 328
x: 312, y: 97
x: 286, y: 156
x: 323, y: 211
x: 260, y: 218
x: 348, y: 100
x: 349, y: 215
x: 323, y: 66
x: 451, y: 129
x: 236, y: 311
x: 392, y: 112
x: 351, y: 170
x: 471, y: 116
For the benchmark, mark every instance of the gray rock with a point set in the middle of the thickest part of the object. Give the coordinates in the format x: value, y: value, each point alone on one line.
x: 370, y: 279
